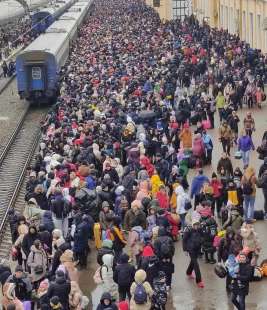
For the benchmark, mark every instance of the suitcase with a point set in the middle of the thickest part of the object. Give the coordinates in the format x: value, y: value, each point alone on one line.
x: 97, y: 235
x: 259, y: 215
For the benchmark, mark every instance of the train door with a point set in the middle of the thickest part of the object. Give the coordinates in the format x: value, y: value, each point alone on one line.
x: 36, y: 77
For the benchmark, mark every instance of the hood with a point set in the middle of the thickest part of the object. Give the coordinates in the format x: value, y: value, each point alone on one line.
x: 179, y: 190
x: 33, y: 201
x: 161, y: 232
x: 35, y: 250
x: 124, y: 258
x: 107, y: 244
x: 67, y: 256
x: 140, y: 276
x: 106, y: 296
x: 138, y: 229
x: 148, y: 251
x: 108, y: 260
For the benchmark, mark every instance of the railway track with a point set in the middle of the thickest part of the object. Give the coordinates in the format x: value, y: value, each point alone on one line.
x: 14, y: 160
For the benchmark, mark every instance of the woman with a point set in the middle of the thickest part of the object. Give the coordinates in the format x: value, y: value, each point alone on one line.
x: 140, y: 279
x: 240, y: 282
x: 108, y: 284
x: 186, y: 137
x: 217, y: 187
x: 37, y: 262
x: 181, y: 199
x: 245, y: 145
x: 248, y: 183
x: 67, y: 260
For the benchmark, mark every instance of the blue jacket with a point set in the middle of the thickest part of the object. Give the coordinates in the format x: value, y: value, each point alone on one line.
x: 245, y: 144
x: 197, y: 184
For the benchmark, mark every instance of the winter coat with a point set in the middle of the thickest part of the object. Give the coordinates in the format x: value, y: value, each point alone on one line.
x: 103, y: 219
x: 75, y: 296
x: 226, y: 164
x: 23, y: 286
x: 245, y: 144
x: 192, y: 241
x: 163, y: 200
x: 186, y: 138
x: 66, y: 260
x: 234, y: 220
x: 82, y: 234
x: 198, y: 147
x: 197, y: 184
x: 59, y: 207
x: 173, y: 220
x: 47, y: 221
x: 61, y: 288
x: 32, y: 212
x: 155, y: 184
x: 124, y: 273
x: 130, y: 216
x: 217, y: 188
x: 28, y: 240
x: 108, y: 284
x: 250, y: 238
x: 102, y: 306
x: 9, y: 297
x: 140, y: 277
x: 36, y: 258
x: 5, y: 273
x: 134, y: 241
x: 162, y: 238
x: 118, y: 239
x: 181, y: 199
x: 56, y: 257
x: 240, y: 285
x: 225, y: 132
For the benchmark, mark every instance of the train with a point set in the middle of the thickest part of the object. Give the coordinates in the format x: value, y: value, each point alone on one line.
x: 12, y: 9
x: 38, y: 66
x: 42, y: 18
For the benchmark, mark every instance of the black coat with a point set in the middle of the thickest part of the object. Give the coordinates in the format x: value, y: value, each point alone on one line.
x: 158, y: 244
x: 240, y: 285
x: 192, y: 241
x: 5, y: 272
x: 60, y: 288
x: 28, y: 240
x: 124, y: 275
x: 56, y: 258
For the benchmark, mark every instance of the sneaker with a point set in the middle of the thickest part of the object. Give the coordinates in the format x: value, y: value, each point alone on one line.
x: 200, y: 284
x: 191, y: 276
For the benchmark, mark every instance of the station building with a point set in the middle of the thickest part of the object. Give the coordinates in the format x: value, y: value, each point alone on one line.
x: 248, y: 18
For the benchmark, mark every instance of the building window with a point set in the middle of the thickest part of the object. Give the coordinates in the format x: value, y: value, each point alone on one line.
x: 259, y: 36
x: 180, y: 9
x: 244, y: 24
x: 251, y: 28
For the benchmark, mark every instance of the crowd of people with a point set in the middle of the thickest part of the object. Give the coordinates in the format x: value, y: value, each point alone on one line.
x: 137, y: 99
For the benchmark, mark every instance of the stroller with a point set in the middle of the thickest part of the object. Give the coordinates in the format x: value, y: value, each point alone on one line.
x: 159, y: 299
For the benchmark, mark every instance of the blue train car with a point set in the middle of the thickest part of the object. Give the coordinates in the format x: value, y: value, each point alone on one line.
x: 45, y: 17
x: 39, y: 64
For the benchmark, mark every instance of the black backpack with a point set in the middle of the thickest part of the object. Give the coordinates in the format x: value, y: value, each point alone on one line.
x: 166, y: 247
x: 140, y: 294
x: 247, y: 187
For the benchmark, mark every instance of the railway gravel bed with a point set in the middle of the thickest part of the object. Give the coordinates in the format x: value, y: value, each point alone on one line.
x: 11, y: 110
x: 12, y: 172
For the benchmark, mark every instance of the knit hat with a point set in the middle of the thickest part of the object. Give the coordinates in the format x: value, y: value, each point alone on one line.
x: 54, y: 303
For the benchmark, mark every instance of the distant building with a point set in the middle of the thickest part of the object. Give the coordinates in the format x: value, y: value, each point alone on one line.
x: 248, y: 18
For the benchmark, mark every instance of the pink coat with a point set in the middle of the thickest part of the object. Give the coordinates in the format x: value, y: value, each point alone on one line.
x: 198, y: 147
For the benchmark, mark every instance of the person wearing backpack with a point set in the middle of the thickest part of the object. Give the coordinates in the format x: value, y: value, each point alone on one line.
x: 124, y: 276
x: 141, y: 292
x: 248, y: 183
x: 136, y: 241
x: 192, y: 241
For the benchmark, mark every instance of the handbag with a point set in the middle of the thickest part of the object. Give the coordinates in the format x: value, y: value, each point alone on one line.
x: 98, y: 276
x: 238, y: 155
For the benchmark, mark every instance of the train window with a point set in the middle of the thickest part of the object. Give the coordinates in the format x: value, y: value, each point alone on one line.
x: 36, y: 73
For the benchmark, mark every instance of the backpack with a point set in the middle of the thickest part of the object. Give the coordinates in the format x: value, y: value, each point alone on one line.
x: 165, y: 247
x: 187, y: 204
x: 247, y: 187
x: 140, y: 294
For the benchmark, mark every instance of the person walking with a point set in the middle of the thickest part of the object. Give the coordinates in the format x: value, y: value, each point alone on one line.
x: 220, y: 103
x: 225, y: 137
x: 248, y: 183
x: 245, y: 145
x: 192, y: 244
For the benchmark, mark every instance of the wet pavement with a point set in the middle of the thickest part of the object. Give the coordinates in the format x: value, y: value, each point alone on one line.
x: 185, y: 295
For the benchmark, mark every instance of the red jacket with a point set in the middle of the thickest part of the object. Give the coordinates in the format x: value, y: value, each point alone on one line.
x: 163, y: 200
x: 217, y: 188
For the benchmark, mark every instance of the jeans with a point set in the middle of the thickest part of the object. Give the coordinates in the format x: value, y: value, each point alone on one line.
x: 245, y: 157
x: 182, y: 219
x: 249, y: 202
x: 193, y: 265
x: 220, y: 114
x: 240, y: 303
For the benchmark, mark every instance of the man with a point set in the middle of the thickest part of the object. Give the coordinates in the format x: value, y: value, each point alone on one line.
x: 220, y: 103
x: 192, y: 244
x: 225, y: 137
x: 134, y: 213
x: 249, y: 124
x: 225, y: 164
x: 233, y: 121
x: 208, y: 146
x: 197, y: 185
x: 23, y: 286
